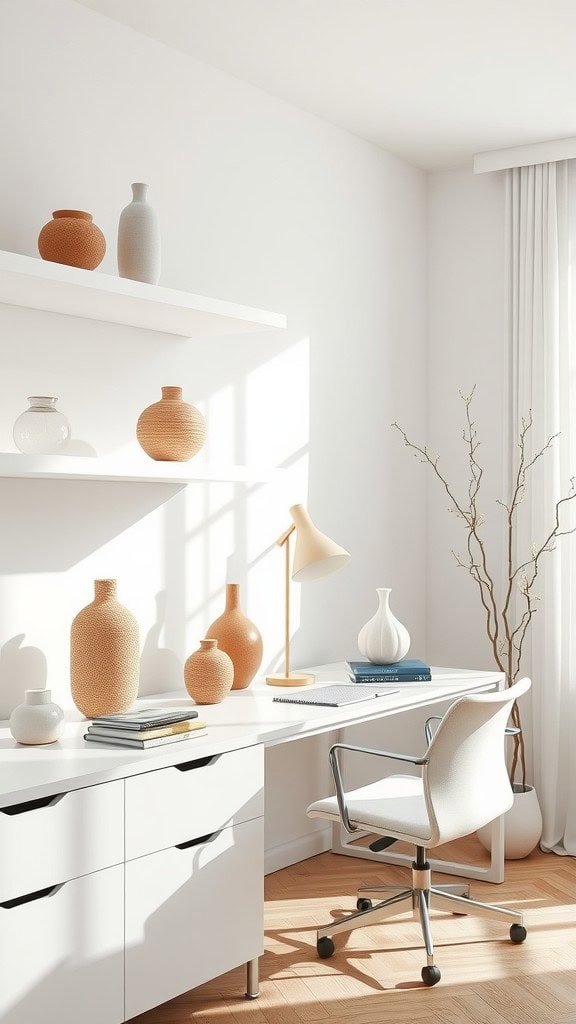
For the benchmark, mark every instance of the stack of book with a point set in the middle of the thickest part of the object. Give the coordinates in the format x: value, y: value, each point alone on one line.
x: 409, y: 670
x: 146, y: 727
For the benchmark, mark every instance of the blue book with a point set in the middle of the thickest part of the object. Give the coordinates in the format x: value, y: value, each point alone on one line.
x: 407, y: 667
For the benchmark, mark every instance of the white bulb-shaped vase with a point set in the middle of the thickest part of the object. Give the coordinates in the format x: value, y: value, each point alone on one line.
x: 38, y: 719
x: 383, y: 640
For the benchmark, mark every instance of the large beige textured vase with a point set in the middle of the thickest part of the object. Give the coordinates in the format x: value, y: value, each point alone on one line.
x: 104, y: 654
x: 208, y: 673
x: 171, y: 430
x: 239, y: 638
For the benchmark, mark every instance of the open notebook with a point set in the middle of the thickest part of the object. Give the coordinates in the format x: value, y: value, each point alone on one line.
x: 336, y: 695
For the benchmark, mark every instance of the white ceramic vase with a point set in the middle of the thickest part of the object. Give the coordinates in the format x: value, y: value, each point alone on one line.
x: 38, y: 719
x: 383, y: 640
x: 139, y: 239
x: 522, y: 825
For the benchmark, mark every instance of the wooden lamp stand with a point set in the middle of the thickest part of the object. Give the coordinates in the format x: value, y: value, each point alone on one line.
x: 315, y: 556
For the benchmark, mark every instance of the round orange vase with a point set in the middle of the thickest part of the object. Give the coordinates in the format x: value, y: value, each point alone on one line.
x: 239, y: 638
x: 104, y: 655
x: 171, y: 430
x: 72, y: 238
x: 208, y: 673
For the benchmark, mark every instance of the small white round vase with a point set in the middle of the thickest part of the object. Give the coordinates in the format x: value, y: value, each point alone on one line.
x: 522, y: 825
x: 383, y: 640
x: 139, y: 239
x: 38, y: 720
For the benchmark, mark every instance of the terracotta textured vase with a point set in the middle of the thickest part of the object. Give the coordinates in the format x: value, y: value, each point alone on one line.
x: 104, y: 655
x: 239, y: 638
x: 72, y: 238
x: 208, y: 673
x: 171, y: 430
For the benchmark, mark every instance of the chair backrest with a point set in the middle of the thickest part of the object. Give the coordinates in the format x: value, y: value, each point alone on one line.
x: 466, y: 783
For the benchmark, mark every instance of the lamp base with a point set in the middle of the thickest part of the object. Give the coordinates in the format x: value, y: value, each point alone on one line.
x: 293, y: 679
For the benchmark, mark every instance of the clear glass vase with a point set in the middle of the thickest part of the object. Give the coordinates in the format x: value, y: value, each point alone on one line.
x: 42, y: 429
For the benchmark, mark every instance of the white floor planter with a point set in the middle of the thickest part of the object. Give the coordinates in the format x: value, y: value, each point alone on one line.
x: 522, y: 825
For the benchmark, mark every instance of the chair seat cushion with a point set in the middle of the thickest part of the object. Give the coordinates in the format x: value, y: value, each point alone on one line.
x: 393, y: 807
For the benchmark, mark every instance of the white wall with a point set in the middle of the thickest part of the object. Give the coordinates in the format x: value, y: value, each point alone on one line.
x: 259, y: 203
x: 467, y: 348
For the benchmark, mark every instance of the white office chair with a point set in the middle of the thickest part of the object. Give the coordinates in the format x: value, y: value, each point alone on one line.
x: 463, y: 785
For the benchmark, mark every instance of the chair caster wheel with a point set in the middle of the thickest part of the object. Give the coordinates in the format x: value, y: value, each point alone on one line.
x: 431, y: 975
x: 518, y: 933
x: 325, y: 948
x: 363, y: 904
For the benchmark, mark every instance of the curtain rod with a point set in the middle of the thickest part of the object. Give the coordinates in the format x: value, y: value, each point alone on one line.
x: 521, y: 156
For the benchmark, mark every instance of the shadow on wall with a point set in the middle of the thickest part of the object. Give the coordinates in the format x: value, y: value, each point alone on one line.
x: 48, y: 526
x: 21, y: 668
x: 161, y: 670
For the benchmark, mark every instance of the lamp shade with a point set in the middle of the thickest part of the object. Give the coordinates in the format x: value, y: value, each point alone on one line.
x: 315, y: 555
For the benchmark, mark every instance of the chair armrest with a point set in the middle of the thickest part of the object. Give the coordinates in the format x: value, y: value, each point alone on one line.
x: 510, y: 730
x: 428, y: 728
x: 335, y: 766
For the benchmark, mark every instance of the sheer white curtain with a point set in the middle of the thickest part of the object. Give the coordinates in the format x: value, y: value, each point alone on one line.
x: 541, y: 246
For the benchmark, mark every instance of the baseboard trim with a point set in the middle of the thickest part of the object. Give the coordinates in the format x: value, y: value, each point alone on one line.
x: 282, y: 856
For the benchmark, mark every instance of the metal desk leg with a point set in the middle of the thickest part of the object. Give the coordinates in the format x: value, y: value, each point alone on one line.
x: 252, y: 983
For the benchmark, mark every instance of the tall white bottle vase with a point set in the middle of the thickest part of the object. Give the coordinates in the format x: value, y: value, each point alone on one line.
x: 139, y: 255
x: 383, y: 640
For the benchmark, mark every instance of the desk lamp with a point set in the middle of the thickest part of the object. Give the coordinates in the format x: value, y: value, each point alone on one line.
x: 315, y: 555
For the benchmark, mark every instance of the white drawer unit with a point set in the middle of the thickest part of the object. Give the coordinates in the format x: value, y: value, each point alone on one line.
x: 176, y: 804
x: 192, y: 913
x: 62, y: 952
x: 53, y: 839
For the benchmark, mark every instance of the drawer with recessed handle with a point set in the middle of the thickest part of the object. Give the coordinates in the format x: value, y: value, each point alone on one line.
x: 193, y: 912
x: 173, y: 805
x: 62, y: 952
x: 57, y: 838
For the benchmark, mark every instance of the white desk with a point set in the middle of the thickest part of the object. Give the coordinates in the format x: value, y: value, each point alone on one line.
x: 131, y: 847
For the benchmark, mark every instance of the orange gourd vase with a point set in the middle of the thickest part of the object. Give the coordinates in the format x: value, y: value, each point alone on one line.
x: 104, y: 655
x: 208, y: 673
x: 171, y: 430
x: 72, y: 238
x: 239, y: 638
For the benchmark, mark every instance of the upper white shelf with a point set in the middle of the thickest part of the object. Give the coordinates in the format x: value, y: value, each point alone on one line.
x: 137, y: 469
x: 39, y: 284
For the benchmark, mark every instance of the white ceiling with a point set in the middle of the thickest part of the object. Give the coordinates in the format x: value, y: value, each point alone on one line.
x: 433, y: 81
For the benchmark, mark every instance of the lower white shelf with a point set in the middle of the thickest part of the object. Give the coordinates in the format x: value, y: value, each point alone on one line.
x: 129, y: 468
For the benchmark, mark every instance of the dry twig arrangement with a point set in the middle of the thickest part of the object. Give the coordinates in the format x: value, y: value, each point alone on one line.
x: 507, y: 619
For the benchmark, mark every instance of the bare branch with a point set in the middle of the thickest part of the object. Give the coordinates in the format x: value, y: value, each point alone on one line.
x: 506, y: 634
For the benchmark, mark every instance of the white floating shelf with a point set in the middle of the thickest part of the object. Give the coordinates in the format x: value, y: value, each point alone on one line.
x: 39, y: 284
x: 126, y: 468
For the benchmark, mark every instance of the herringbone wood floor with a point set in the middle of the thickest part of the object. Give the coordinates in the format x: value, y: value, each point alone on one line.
x: 374, y: 976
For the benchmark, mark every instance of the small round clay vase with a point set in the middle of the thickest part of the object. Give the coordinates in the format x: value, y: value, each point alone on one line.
x: 38, y: 719
x: 104, y: 655
x: 171, y: 430
x: 239, y: 638
x: 72, y: 238
x: 208, y: 673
